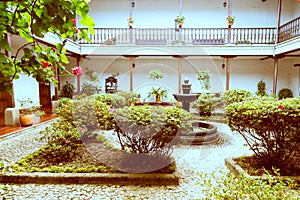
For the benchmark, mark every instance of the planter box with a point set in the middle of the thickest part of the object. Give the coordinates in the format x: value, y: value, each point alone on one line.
x: 237, y: 170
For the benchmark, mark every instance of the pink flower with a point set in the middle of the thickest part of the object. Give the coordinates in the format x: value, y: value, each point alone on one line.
x: 66, y: 141
x: 77, y: 71
x: 281, y: 107
x: 112, y: 110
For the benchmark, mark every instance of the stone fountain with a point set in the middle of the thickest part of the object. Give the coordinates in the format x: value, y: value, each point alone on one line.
x: 202, y: 133
x: 186, y: 98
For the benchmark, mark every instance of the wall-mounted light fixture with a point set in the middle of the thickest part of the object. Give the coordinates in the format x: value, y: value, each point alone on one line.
x: 223, y: 64
x: 133, y: 4
x: 224, y: 3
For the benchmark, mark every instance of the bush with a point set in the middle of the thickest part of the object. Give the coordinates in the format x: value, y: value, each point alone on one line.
x: 89, y: 89
x: 63, y: 139
x: 285, y: 93
x: 236, y: 95
x: 205, y: 104
x: 270, y: 127
x: 261, y: 88
x: 150, y: 129
x: 67, y: 90
x: 130, y: 97
x: 228, y: 186
x: 113, y: 100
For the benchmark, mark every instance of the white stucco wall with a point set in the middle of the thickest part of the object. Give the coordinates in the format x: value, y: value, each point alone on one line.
x: 246, y: 72
x: 26, y: 87
x: 207, y: 13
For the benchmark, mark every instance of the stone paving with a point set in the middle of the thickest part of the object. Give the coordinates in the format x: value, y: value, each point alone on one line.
x: 189, y: 159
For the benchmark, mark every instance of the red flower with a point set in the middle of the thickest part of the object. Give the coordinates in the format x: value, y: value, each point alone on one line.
x: 45, y: 63
x: 281, y: 107
x: 76, y: 30
x: 77, y: 71
x: 74, y: 21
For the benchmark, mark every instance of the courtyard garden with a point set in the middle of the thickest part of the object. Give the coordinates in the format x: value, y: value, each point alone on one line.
x: 107, y: 133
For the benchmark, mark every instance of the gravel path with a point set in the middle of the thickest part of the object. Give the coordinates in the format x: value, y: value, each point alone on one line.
x: 189, y: 160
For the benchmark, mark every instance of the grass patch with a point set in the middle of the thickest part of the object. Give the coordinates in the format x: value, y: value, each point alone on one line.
x: 85, y: 160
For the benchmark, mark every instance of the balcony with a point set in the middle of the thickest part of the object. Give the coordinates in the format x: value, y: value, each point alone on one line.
x: 188, y: 36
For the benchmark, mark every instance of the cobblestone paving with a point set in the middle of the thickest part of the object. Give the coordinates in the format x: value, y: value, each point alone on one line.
x: 189, y: 160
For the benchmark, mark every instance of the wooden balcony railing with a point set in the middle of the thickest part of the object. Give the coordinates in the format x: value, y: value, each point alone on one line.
x: 289, y: 30
x: 171, y: 36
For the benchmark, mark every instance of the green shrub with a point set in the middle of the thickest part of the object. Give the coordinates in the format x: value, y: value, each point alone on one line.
x: 89, y: 89
x: 205, y: 104
x: 270, y: 127
x: 130, y: 97
x: 113, y: 100
x: 228, y: 186
x: 150, y: 129
x: 285, y: 93
x: 63, y: 139
x: 261, y: 88
x: 67, y: 90
x: 236, y: 95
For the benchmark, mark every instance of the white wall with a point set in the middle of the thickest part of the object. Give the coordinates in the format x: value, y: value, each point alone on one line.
x: 205, y: 13
x: 246, y: 72
x: 26, y: 87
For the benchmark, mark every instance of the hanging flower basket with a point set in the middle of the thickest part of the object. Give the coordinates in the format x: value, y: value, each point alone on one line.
x: 230, y: 20
x: 180, y: 20
x: 77, y: 71
x: 130, y: 21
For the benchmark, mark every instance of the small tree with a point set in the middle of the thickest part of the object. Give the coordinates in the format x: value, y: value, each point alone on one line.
x: 270, y: 127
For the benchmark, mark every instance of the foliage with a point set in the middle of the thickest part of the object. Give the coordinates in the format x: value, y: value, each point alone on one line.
x: 28, y: 107
x: 32, y: 20
x: 180, y: 19
x: 159, y: 93
x: 89, y: 89
x: 67, y: 90
x: 130, y: 20
x: 205, y: 104
x: 63, y: 139
x: 150, y: 129
x: 131, y: 97
x: 155, y: 74
x: 236, y: 95
x: 203, y: 77
x: 270, y: 127
x: 285, y: 93
x: 113, y: 100
x: 261, y: 88
x: 230, y: 19
x: 228, y: 186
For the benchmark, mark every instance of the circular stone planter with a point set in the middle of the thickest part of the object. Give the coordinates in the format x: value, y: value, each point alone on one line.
x: 203, y: 133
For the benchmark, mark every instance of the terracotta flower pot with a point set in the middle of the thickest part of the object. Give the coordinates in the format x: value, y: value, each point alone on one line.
x: 26, y: 120
x: 230, y: 23
x: 180, y: 24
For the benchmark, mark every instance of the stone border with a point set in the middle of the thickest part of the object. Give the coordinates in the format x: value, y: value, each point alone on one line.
x: 90, y: 178
x: 83, y: 178
x: 238, y: 170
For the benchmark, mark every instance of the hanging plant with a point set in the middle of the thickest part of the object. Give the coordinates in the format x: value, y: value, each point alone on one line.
x: 130, y: 21
x: 230, y: 19
x: 203, y: 77
x: 155, y: 74
x: 180, y: 20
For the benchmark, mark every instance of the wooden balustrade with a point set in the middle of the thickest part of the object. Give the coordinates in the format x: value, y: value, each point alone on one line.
x: 289, y: 30
x: 196, y: 36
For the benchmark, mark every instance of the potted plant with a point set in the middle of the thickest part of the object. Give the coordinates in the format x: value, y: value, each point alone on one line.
x: 27, y: 110
x: 130, y: 21
x: 180, y: 20
x: 230, y: 19
x: 159, y: 93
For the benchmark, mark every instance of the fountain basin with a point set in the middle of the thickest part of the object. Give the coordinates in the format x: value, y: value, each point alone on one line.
x: 186, y: 99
